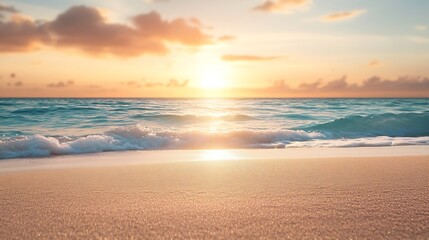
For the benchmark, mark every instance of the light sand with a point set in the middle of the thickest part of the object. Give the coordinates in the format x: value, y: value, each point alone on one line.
x: 371, y: 197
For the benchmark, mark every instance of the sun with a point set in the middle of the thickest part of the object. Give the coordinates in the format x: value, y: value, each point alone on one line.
x: 213, y: 76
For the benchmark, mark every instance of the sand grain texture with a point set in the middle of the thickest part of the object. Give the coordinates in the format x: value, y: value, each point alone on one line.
x: 271, y: 199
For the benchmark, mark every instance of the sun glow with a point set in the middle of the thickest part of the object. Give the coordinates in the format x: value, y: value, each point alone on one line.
x: 212, y: 77
x: 212, y: 73
x: 218, y: 154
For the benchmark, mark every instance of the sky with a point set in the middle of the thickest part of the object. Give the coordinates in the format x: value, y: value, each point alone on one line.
x: 223, y: 48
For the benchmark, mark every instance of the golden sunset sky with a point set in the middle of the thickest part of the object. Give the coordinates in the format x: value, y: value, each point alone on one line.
x: 224, y: 48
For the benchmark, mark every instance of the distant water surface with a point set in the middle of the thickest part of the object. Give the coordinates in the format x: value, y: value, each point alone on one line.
x: 45, y: 127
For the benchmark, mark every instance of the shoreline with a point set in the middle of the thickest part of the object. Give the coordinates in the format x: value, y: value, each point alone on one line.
x: 164, y: 156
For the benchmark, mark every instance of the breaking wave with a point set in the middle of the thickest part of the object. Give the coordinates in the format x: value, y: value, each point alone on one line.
x: 352, y: 131
x: 141, y: 138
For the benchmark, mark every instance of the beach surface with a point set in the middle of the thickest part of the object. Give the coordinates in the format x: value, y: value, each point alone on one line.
x: 273, y: 194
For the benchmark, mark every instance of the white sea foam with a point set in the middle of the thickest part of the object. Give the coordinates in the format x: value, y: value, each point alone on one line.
x: 138, y: 137
x: 381, y: 141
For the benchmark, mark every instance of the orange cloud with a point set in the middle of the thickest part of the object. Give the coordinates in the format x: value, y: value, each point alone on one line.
x: 374, y: 87
x: 287, y: 6
x: 85, y: 29
x: 374, y: 63
x: 15, y: 84
x: 21, y: 34
x: 404, y: 83
x: 246, y: 58
x: 153, y: 84
x: 61, y: 84
x: 172, y: 83
x: 341, y: 16
x: 405, y: 86
x: 134, y: 84
x: 226, y: 38
x: 176, y: 84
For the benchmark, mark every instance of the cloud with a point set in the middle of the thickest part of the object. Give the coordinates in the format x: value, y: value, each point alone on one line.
x: 337, y: 85
x: 403, y: 83
x: 420, y: 28
x: 310, y: 86
x: 404, y: 86
x: 61, y: 84
x: 374, y: 63
x: 226, y: 38
x: 20, y: 34
x: 418, y: 39
x: 173, y: 83
x: 246, y: 58
x: 285, y: 6
x: 134, y: 84
x: 341, y: 16
x: 154, y: 84
x: 15, y: 84
x: 85, y: 29
x: 9, y: 9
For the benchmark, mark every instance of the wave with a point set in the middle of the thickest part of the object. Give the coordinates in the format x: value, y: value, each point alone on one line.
x: 353, y: 131
x: 141, y: 138
x: 388, y: 124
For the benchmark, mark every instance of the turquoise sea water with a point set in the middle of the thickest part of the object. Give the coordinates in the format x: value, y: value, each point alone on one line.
x: 45, y: 127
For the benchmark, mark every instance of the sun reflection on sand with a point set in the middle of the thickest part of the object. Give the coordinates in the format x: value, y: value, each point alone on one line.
x: 218, y: 154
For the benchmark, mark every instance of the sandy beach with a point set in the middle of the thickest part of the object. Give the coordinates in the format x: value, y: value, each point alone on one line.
x: 263, y: 119
x: 294, y: 196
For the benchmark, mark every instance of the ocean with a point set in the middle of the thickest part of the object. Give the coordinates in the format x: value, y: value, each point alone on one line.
x: 49, y: 127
